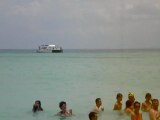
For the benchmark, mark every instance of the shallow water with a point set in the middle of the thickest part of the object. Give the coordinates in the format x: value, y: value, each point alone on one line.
x: 78, y: 77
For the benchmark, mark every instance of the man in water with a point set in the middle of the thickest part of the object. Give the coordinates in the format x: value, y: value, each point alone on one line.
x: 64, y: 111
x: 131, y: 98
x: 98, y: 108
x: 154, y: 114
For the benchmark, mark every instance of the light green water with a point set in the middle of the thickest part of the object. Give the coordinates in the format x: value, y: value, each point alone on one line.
x: 78, y: 77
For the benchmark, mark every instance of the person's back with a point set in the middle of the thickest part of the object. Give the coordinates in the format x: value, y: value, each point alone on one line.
x: 92, y: 116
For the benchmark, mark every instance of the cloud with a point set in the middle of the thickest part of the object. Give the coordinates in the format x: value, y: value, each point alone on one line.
x: 78, y: 23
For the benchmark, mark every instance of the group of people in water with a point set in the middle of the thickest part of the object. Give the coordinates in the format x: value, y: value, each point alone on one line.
x: 132, y: 107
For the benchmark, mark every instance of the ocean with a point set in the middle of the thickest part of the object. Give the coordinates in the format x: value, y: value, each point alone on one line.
x: 77, y: 77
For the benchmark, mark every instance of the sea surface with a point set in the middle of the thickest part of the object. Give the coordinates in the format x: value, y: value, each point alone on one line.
x: 77, y: 77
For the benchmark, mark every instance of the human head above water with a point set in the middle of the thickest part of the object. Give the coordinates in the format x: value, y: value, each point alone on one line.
x: 148, y: 96
x: 155, y: 103
x: 98, y: 101
x: 62, y: 105
x: 137, y: 104
x: 92, y: 116
x: 119, y: 95
x: 131, y: 97
x: 128, y: 103
x: 38, y: 102
x: 37, y: 106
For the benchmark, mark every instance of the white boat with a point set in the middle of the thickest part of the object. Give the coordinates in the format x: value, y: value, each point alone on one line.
x: 49, y: 49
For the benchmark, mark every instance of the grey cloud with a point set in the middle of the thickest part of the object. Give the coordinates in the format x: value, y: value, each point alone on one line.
x: 80, y: 24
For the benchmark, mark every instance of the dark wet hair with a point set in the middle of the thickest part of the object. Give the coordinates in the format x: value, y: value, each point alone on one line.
x: 119, y: 95
x: 39, y: 102
x: 61, y: 104
x: 91, y: 114
x: 97, y: 99
x: 36, y: 108
x: 155, y: 100
x: 136, y: 102
x: 128, y: 103
x: 148, y: 95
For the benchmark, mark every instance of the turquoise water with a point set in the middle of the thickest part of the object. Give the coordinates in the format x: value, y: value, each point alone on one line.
x: 78, y: 77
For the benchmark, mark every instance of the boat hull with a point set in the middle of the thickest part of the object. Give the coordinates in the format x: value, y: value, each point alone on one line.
x: 49, y: 49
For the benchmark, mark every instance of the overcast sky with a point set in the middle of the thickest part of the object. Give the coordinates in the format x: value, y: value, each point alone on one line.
x: 80, y: 24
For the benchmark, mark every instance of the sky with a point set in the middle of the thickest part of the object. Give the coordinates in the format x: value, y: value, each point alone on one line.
x: 80, y: 24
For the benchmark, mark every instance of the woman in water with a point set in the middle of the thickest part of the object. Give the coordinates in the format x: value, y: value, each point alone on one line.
x: 37, y: 106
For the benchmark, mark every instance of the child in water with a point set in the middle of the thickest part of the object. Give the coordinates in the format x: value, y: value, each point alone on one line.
x: 118, y: 104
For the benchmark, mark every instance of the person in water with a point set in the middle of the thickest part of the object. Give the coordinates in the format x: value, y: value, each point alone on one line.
x: 154, y: 114
x: 92, y: 116
x: 98, y: 107
x: 147, y: 104
x: 137, y: 115
x: 128, y: 108
x: 37, y: 106
x: 132, y: 99
x: 118, y: 104
x: 64, y: 111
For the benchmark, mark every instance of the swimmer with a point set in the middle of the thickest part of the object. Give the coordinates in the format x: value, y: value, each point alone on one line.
x: 128, y: 108
x: 147, y: 104
x: 131, y: 98
x: 98, y: 107
x: 37, y: 106
x: 92, y: 116
x: 64, y: 111
x: 137, y: 115
x: 118, y: 104
x: 154, y: 114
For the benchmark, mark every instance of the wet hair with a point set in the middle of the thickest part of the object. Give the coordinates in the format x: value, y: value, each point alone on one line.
x: 36, y: 108
x: 128, y: 103
x: 39, y: 102
x: 61, y: 104
x: 136, y: 102
x: 155, y: 100
x: 97, y: 99
x: 148, y: 95
x: 91, y: 114
x: 119, y: 95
